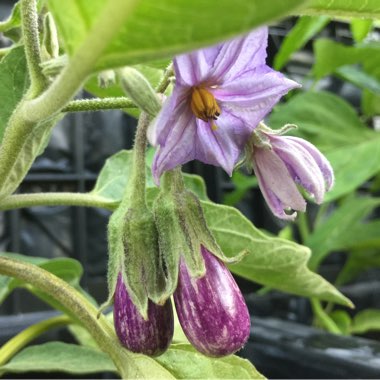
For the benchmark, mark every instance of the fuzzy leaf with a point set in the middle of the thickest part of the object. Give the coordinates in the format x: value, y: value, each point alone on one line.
x: 274, y: 262
x: 163, y: 28
x: 14, y: 81
x: 184, y: 362
x: 343, y: 8
x: 59, y: 357
x: 17, y: 160
x: 114, y: 176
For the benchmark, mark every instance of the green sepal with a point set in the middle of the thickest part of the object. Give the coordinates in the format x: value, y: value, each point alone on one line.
x: 133, y: 251
x: 182, y: 229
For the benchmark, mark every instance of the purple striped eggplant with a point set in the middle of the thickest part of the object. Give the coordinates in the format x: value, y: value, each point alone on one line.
x: 150, y: 337
x: 211, y: 309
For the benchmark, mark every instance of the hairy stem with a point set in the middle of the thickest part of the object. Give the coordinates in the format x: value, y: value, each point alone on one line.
x: 29, y: 18
x: 135, y: 193
x: 165, y: 81
x: 323, y: 317
x: 78, y: 306
x: 98, y: 104
x: 19, y: 341
x: 56, y: 199
x: 81, y: 64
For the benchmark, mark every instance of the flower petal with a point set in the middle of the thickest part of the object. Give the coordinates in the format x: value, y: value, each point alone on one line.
x: 179, y: 146
x: 276, y: 184
x: 301, y: 166
x: 240, y: 54
x: 172, y: 110
x: 221, y: 147
x: 320, y: 159
x: 253, y: 95
x: 193, y: 68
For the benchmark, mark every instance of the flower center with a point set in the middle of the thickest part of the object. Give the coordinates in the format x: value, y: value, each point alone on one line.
x: 204, y: 105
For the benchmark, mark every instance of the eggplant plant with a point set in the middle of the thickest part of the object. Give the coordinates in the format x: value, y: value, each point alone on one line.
x: 200, y: 88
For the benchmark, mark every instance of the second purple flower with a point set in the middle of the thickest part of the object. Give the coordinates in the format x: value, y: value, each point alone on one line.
x: 221, y: 95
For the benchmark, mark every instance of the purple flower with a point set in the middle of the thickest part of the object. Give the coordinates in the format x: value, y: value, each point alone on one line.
x: 282, y: 163
x: 211, y: 309
x: 221, y: 95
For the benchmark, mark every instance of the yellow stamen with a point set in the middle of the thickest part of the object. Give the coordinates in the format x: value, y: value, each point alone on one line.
x: 204, y: 105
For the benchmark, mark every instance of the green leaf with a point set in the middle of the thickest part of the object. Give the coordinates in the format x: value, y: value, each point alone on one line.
x: 278, y: 263
x: 184, y: 362
x: 323, y: 118
x: 366, y: 320
x: 343, y: 8
x: 14, y: 81
x: 358, y: 261
x: 13, y: 21
x: 336, y: 233
x: 330, y: 55
x: 59, y: 357
x: 333, y: 126
x: 67, y: 269
x: 343, y: 320
x: 305, y: 29
x: 358, y: 77
x: 114, y: 176
x: 163, y: 28
x: 242, y: 184
x: 360, y: 28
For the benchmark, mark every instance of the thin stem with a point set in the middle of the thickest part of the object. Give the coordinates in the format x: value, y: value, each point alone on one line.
x: 5, y: 51
x: 56, y: 199
x: 303, y: 226
x: 323, y: 317
x: 135, y: 193
x: 98, y: 104
x: 78, y: 306
x: 321, y: 212
x: 19, y: 341
x: 165, y: 81
x: 29, y: 19
x: 69, y: 81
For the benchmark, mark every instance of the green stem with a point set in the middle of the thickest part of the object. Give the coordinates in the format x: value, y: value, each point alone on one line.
x: 303, y: 226
x: 172, y: 181
x: 69, y: 81
x: 56, y: 199
x: 323, y: 317
x: 29, y: 19
x: 135, y: 192
x: 77, y: 305
x: 321, y: 212
x: 98, y: 104
x: 19, y: 341
x: 165, y: 81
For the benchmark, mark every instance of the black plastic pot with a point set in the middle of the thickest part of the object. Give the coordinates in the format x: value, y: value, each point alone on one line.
x: 282, y: 349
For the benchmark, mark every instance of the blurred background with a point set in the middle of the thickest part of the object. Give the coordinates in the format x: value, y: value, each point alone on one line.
x: 283, y: 345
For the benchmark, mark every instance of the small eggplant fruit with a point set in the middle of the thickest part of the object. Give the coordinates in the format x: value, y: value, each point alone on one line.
x: 150, y: 337
x: 211, y: 309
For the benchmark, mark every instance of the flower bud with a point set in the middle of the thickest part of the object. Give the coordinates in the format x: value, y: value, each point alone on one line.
x: 150, y: 337
x: 140, y: 91
x: 106, y: 78
x: 211, y: 309
x: 50, y: 41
